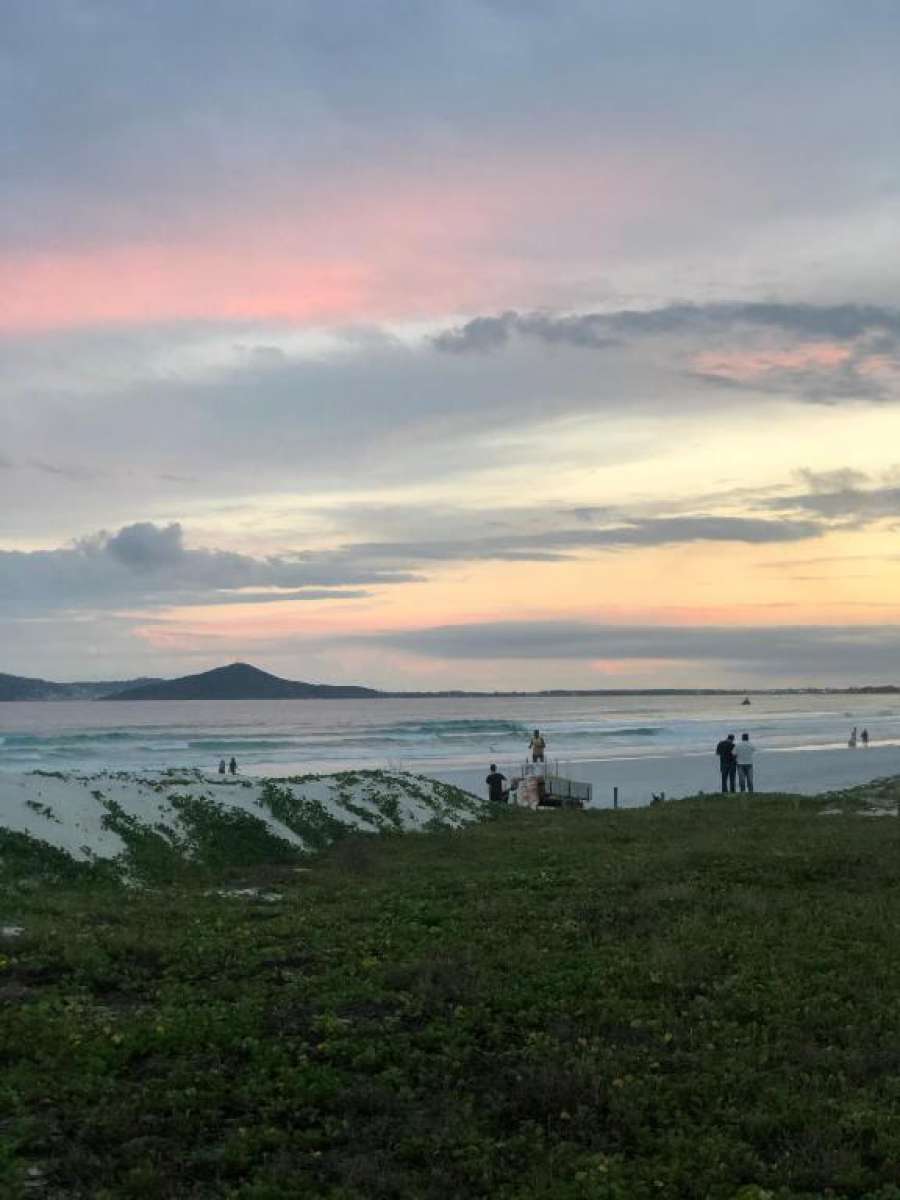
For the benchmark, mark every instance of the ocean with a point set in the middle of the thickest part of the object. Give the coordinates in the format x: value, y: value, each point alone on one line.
x: 426, y: 735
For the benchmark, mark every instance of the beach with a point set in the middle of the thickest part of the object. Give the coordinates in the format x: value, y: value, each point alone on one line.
x: 640, y: 744
x: 77, y: 813
x: 806, y: 772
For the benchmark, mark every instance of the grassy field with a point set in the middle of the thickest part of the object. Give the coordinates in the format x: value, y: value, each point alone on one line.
x: 700, y: 999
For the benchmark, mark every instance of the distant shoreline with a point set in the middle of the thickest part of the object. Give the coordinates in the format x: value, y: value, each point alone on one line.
x: 242, y: 681
x: 887, y: 690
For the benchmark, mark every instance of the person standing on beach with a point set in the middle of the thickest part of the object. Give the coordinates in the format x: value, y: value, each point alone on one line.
x: 536, y: 746
x: 864, y: 738
x: 743, y: 753
x: 221, y: 766
x: 232, y: 767
x: 495, y: 782
x: 727, y: 762
x: 852, y: 742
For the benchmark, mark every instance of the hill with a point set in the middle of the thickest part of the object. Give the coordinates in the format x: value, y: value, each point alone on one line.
x: 239, y: 681
x: 20, y: 687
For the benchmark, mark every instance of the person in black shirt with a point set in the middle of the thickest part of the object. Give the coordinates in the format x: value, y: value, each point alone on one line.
x: 495, y: 782
x: 232, y: 767
x: 727, y: 762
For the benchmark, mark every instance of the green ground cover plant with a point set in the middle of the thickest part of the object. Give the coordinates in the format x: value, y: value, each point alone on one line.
x: 699, y: 999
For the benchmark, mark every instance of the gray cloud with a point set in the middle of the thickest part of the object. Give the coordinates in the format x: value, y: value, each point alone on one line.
x: 870, y: 335
x: 149, y: 564
x: 591, y: 331
x: 815, y: 385
x: 664, y: 530
x: 146, y: 546
x: 848, y: 503
x: 598, y: 330
x: 92, y: 392
x: 841, y: 480
x: 555, y: 544
x: 817, y: 652
x: 145, y: 564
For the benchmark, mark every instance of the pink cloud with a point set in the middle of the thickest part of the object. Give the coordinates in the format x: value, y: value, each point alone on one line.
x: 746, y: 365
x: 377, y: 244
x: 152, y: 283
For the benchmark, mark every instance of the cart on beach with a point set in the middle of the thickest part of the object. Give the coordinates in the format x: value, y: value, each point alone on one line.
x: 534, y: 786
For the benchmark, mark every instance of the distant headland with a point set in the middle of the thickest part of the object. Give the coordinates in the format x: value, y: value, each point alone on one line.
x: 241, y: 681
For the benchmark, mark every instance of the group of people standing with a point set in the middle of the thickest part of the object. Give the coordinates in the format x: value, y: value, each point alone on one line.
x: 232, y: 766
x: 736, y: 761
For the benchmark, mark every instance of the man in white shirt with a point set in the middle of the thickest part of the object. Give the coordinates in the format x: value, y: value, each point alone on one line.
x: 744, y: 752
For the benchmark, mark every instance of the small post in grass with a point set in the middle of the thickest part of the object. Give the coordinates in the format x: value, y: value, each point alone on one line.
x: 615, y: 797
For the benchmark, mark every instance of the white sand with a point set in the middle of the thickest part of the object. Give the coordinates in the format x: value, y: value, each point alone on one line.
x: 66, y: 812
x: 806, y: 772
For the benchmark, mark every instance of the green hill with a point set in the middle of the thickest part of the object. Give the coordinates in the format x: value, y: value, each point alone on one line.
x: 693, y: 1000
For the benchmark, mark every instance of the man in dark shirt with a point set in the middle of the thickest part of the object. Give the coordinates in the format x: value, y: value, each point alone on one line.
x: 727, y: 762
x: 495, y: 782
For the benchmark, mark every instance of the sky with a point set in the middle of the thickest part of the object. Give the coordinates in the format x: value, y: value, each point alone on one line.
x: 451, y: 343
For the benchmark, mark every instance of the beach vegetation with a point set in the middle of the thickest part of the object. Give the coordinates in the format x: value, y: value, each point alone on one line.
x: 43, y: 810
x: 697, y: 999
x: 306, y: 816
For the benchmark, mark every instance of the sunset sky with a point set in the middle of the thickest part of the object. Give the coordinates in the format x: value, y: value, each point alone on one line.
x: 451, y: 343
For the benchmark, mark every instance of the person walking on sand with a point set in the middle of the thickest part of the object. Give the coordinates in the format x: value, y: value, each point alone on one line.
x: 852, y: 741
x: 743, y: 753
x: 727, y: 762
x: 864, y: 738
x: 221, y: 766
x: 536, y: 746
x: 495, y: 782
x: 232, y: 766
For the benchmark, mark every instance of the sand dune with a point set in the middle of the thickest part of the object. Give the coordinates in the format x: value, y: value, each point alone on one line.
x: 105, y: 816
